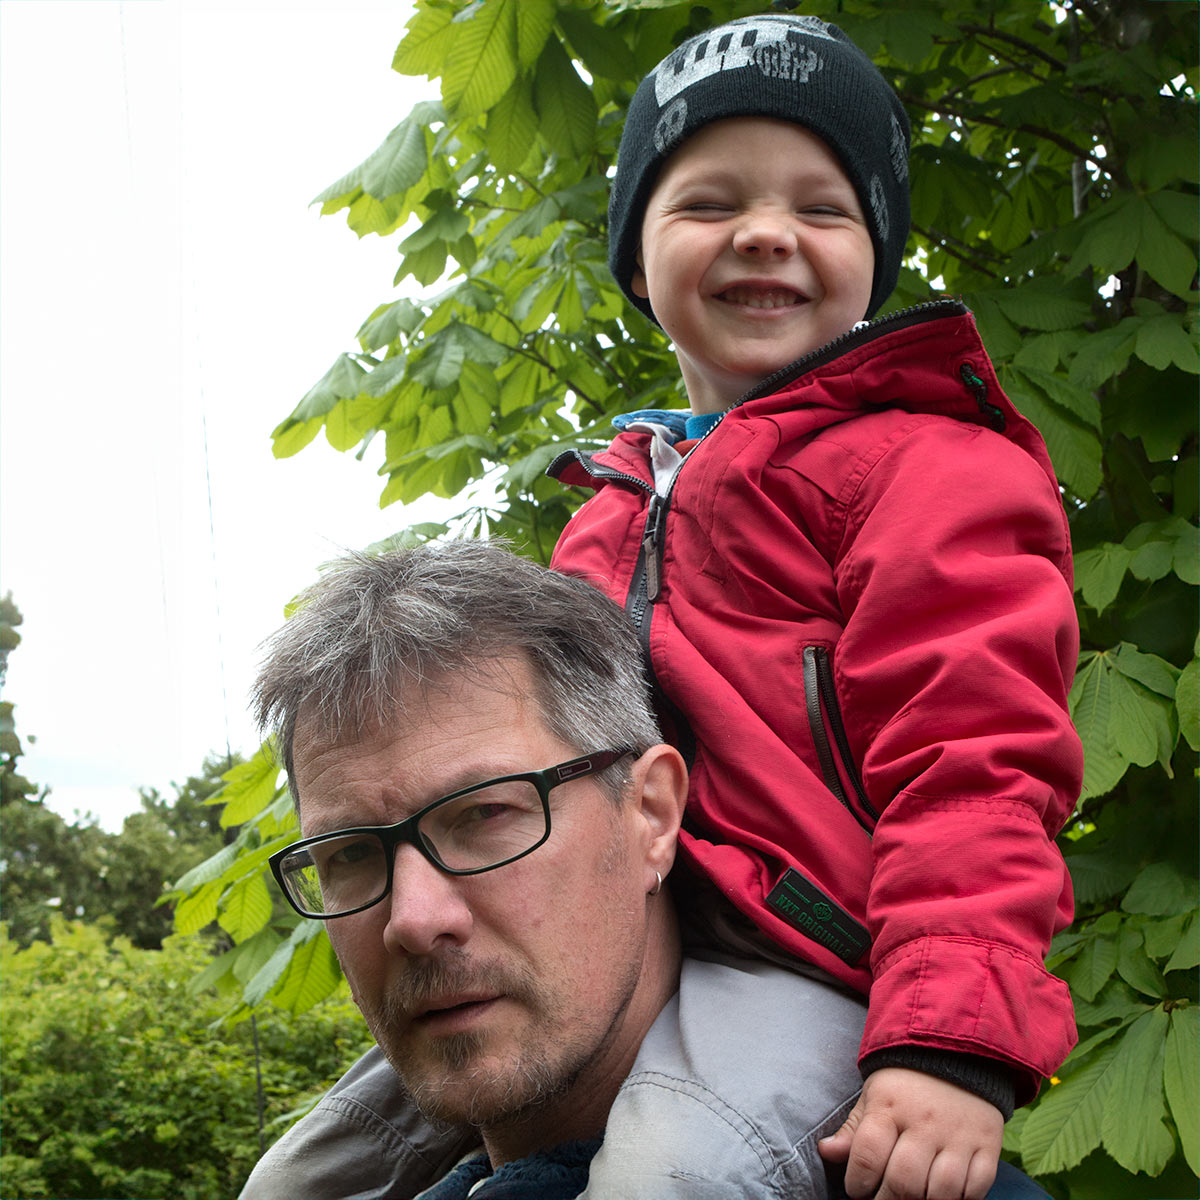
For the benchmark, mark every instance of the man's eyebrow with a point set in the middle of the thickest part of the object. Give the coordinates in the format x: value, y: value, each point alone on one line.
x: 462, y: 778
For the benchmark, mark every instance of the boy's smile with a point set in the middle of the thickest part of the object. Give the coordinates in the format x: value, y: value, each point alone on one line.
x: 754, y: 252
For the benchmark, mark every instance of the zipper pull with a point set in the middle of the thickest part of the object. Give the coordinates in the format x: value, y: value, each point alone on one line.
x: 652, y: 548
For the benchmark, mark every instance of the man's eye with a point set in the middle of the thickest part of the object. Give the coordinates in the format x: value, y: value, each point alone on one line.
x: 353, y: 853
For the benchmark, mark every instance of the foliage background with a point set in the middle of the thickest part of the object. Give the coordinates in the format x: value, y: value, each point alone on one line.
x: 115, y: 1082
x: 1054, y: 175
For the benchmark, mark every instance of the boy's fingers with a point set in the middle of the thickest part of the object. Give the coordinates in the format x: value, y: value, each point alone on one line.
x: 907, y: 1175
x: 981, y: 1174
x: 947, y: 1179
x: 874, y: 1142
x: 836, y: 1147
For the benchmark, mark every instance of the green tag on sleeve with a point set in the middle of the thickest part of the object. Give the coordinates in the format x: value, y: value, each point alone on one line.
x: 805, y: 907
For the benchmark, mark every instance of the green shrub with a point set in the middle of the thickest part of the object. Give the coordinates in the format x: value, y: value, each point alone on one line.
x: 115, y: 1083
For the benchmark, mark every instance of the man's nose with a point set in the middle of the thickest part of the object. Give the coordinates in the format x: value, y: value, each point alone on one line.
x: 766, y: 234
x: 427, y: 910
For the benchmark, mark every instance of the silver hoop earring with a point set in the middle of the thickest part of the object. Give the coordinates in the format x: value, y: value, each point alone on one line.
x: 657, y: 885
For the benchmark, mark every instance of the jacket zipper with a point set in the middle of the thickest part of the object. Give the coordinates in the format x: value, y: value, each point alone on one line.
x: 653, y: 540
x: 646, y: 584
x: 821, y: 704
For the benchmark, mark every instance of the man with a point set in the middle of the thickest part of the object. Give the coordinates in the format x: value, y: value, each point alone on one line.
x: 488, y: 812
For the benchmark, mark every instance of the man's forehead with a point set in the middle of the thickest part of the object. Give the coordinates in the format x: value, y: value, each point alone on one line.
x: 459, y: 728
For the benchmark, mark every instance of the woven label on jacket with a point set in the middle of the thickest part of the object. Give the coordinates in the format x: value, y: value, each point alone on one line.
x: 805, y: 907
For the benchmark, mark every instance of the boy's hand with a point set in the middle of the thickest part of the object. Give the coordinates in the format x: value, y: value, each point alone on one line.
x: 913, y: 1135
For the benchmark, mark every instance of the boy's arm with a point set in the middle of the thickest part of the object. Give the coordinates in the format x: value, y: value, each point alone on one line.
x: 912, y: 1134
x: 953, y: 670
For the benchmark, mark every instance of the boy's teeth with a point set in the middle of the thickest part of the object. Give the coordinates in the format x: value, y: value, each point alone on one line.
x: 761, y: 298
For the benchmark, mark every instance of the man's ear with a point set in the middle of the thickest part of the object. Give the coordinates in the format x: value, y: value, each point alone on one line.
x: 659, y: 792
x: 638, y: 283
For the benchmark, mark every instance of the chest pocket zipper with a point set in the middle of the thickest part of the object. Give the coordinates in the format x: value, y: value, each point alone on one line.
x: 821, y: 705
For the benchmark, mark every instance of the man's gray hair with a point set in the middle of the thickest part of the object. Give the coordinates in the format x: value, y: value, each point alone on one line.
x: 377, y: 630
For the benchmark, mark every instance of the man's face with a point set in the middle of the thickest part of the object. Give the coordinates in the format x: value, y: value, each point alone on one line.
x: 754, y: 252
x: 490, y: 994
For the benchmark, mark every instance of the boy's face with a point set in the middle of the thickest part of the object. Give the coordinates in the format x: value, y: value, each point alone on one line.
x: 754, y: 252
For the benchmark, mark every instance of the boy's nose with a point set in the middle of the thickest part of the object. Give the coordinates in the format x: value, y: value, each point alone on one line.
x: 427, y: 909
x: 766, y: 235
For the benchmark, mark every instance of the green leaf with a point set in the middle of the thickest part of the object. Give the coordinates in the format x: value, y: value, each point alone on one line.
x: 291, y: 437
x: 311, y: 974
x: 1096, y: 961
x: 482, y: 60
x: 1164, y: 341
x: 1066, y: 1125
x: 1160, y: 890
x: 512, y: 127
x: 1187, y: 954
x: 1098, y: 876
x: 1186, y: 559
x: 245, y: 908
x: 399, y: 163
x: 424, y: 265
x: 1187, y: 703
x: 386, y: 324
x: 1074, y: 448
x: 535, y: 19
x: 1104, y: 354
x: 1119, y: 719
x: 1076, y: 400
x: 249, y: 788
x: 423, y: 49
x: 251, y: 955
x: 1180, y: 1078
x: 1152, y: 560
x: 211, y: 868
x: 602, y: 49
x: 445, y: 352
x: 1043, y: 304
x: 1099, y: 572
x: 1162, y: 937
x: 565, y: 105
x: 194, y: 912
x: 1110, y: 237
x: 1134, y: 965
x: 340, y: 382
x: 1133, y: 1130
x: 1165, y: 256
x: 1114, y: 1003
x: 1148, y: 669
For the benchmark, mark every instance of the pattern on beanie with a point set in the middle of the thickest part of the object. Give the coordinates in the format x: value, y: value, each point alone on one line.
x: 773, y: 45
x: 899, y: 150
x: 879, y: 207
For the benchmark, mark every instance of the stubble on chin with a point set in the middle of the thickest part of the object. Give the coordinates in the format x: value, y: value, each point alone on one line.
x: 452, y: 1079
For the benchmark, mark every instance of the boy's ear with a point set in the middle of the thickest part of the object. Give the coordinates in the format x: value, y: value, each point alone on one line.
x: 638, y: 283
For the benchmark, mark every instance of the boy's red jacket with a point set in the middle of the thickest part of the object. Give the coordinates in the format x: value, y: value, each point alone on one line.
x: 855, y: 597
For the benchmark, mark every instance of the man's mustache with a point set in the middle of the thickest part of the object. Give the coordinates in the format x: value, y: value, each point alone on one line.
x: 434, y: 981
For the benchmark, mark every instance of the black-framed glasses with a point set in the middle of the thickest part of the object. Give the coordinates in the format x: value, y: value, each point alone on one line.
x: 476, y: 829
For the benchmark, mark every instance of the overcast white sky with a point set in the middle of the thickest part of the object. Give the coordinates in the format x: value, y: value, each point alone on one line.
x: 163, y: 280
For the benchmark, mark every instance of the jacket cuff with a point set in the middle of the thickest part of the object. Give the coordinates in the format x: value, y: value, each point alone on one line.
x: 987, y: 1078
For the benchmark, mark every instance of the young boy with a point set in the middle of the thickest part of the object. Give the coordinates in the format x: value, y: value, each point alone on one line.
x: 850, y: 568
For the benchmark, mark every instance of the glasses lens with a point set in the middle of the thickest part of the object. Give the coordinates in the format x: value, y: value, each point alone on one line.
x: 338, y: 874
x: 485, y: 827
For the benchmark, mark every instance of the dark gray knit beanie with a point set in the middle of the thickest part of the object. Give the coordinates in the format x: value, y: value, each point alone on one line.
x: 797, y: 69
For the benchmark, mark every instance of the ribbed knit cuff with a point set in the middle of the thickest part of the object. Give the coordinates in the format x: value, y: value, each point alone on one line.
x: 986, y: 1077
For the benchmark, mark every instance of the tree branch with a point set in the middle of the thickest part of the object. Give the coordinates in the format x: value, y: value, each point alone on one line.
x: 1037, y: 131
x: 1013, y: 40
x: 942, y: 242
